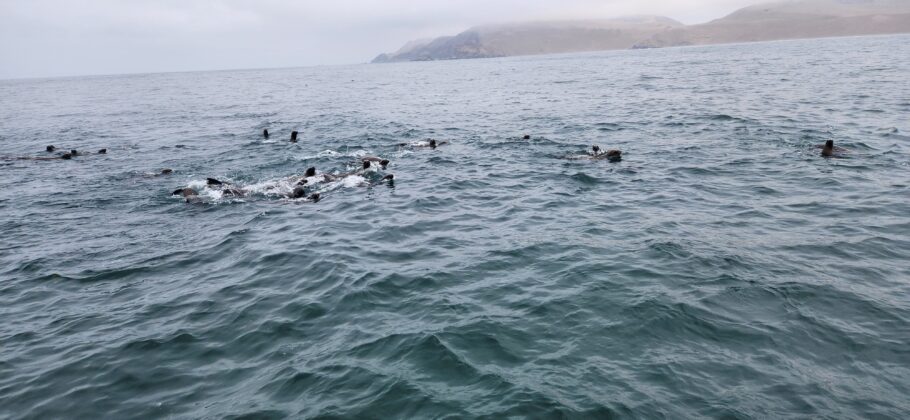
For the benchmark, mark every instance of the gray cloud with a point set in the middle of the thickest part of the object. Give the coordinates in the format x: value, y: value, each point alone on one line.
x: 73, y: 37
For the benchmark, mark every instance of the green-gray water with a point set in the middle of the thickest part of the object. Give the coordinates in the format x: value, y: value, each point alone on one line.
x: 722, y: 269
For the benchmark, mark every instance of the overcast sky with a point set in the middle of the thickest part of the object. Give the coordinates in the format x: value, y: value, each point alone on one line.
x: 77, y: 37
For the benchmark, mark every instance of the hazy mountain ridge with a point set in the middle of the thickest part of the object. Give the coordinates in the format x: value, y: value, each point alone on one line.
x: 764, y: 22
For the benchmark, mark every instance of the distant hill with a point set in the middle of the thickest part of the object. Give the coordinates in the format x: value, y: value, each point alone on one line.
x: 535, y: 38
x: 766, y: 22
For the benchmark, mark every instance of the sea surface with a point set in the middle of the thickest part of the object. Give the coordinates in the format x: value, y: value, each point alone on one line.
x: 723, y: 269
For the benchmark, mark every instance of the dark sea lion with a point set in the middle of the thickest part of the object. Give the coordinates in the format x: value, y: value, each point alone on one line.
x: 186, y: 192
x: 74, y: 152
x: 293, y: 137
x: 310, y: 172
x: 302, y: 182
x: 50, y: 148
x: 315, y: 198
x: 366, y: 164
x: 298, y: 192
x: 102, y: 152
x: 614, y: 155
x: 167, y: 171
x: 265, y: 133
x: 382, y: 162
x: 213, y: 181
x: 389, y: 177
x: 431, y: 143
x: 828, y: 148
x: 233, y: 192
x: 189, y: 194
x: 527, y: 137
x: 66, y: 156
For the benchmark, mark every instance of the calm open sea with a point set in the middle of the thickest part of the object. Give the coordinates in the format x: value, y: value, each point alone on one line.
x: 722, y: 269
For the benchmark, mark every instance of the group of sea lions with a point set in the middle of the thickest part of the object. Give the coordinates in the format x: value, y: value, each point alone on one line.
x: 302, y: 185
x: 59, y: 155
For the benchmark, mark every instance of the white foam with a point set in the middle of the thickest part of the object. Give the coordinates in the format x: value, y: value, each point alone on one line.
x: 197, y: 185
x: 332, y: 153
x: 282, y: 186
x: 210, y: 194
x: 353, y: 181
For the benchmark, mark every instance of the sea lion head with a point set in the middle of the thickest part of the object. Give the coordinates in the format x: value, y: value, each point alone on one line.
x: 433, y: 143
x: 167, y: 171
x: 828, y: 149
x: 102, y: 152
x: 384, y: 163
x: 310, y: 172
x: 50, y: 148
x: 366, y: 164
x: 299, y: 192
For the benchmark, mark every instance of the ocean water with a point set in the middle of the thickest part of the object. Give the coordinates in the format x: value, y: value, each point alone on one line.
x: 723, y: 269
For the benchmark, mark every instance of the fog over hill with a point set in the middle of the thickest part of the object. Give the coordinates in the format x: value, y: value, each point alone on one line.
x: 764, y: 22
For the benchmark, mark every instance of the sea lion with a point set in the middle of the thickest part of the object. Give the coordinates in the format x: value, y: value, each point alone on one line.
x: 265, y: 133
x: 50, y: 148
x: 310, y: 172
x: 189, y: 194
x: 298, y: 192
x: 213, y: 181
x: 613, y: 155
x: 526, y: 137
x: 167, y: 171
x: 102, y: 152
x: 186, y: 192
x: 233, y: 192
x: 431, y: 143
x: 66, y: 156
x: 830, y: 150
x: 383, y: 163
